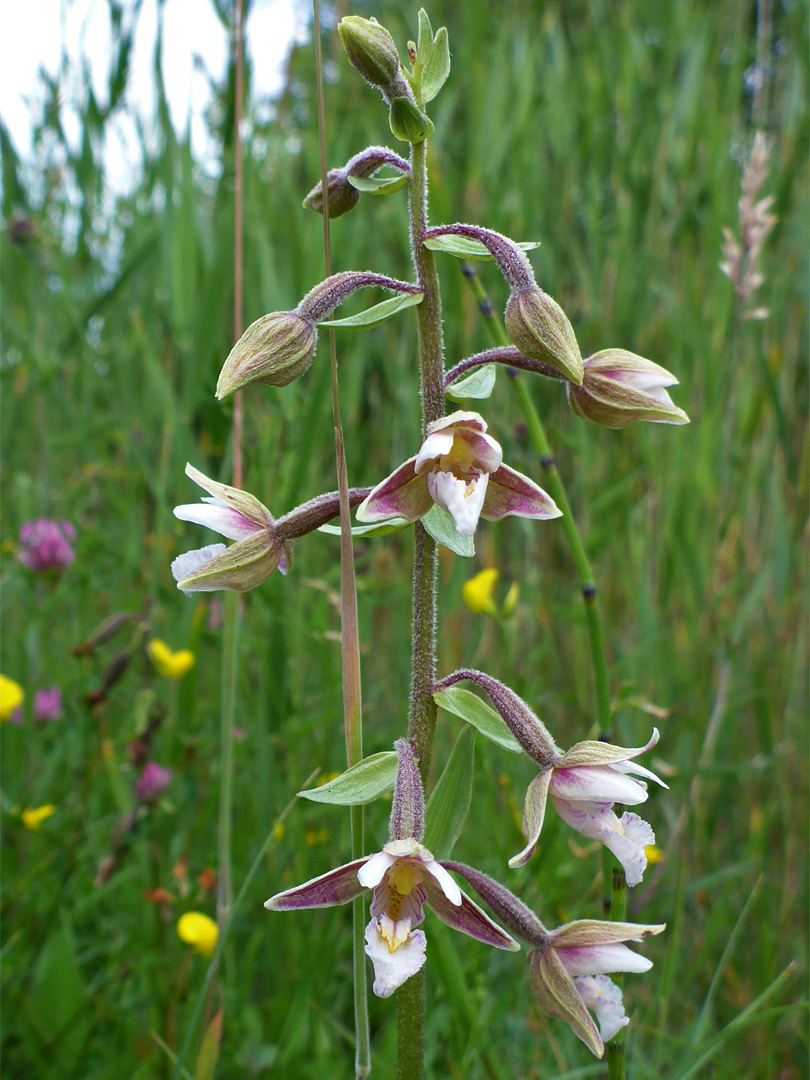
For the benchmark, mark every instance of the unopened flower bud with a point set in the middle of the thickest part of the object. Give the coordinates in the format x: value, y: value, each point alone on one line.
x: 276, y: 349
x: 407, y: 820
x: 372, y: 50
x: 408, y: 122
x: 619, y: 387
x: 342, y: 196
x: 540, y: 328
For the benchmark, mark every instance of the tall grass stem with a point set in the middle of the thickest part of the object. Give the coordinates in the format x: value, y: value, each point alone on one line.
x: 349, y: 628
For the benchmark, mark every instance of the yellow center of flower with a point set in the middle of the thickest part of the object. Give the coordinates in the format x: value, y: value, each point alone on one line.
x: 404, y: 876
x: 459, y: 459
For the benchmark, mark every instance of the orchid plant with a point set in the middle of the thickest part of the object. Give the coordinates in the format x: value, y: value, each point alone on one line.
x: 455, y: 478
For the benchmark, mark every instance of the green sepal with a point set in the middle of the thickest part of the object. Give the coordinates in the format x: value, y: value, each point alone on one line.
x: 465, y: 248
x: 478, y: 384
x: 470, y: 707
x: 442, y: 528
x: 376, y: 528
x: 378, y: 185
x: 374, y: 315
x: 437, y: 66
x: 449, y: 801
x: 407, y: 121
x: 362, y: 783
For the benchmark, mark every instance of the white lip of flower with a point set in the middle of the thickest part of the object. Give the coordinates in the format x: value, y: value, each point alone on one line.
x: 604, y: 998
x: 405, y: 877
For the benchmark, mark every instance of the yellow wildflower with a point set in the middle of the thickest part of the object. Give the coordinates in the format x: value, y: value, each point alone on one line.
x: 12, y: 696
x: 33, y: 818
x: 198, y: 930
x: 173, y: 665
x: 654, y: 854
x: 477, y: 592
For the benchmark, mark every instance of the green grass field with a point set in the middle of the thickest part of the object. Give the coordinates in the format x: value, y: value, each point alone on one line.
x: 614, y: 134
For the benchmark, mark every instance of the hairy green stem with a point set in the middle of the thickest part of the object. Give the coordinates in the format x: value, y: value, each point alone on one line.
x: 422, y: 709
x: 615, y: 885
x: 349, y: 627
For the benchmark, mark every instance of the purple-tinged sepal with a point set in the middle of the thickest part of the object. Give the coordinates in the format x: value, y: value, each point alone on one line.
x: 619, y: 388
x: 335, y: 887
x: 511, y: 494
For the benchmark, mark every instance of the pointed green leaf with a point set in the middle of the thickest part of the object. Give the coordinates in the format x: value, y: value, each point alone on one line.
x: 450, y: 799
x: 374, y: 315
x: 209, y: 1049
x: 478, y: 384
x: 443, y: 529
x: 378, y: 185
x: 425, y: 39
x: 362, y: 783
x: 437, y: 66
x: 465, y: 248
x: 376, y: 528
x: 470, y: 707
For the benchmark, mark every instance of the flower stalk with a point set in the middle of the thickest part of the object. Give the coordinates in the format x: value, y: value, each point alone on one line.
x: 422, y: 709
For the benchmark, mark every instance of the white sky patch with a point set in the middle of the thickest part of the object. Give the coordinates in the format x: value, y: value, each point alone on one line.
x: 35, y: 34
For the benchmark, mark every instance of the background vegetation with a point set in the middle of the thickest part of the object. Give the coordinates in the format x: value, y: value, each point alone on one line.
x: 614, y: 134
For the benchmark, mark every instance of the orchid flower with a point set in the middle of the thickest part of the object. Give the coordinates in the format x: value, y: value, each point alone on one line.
x: 458, y: 467
x: 404, y: 877
x: 241, y: 517
x: 583, y: 783
x: 568, y: 967
x: 263, y: 543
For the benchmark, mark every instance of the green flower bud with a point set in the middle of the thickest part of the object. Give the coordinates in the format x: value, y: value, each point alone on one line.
x: 540, y: 328
x: 276, y: 349
x: 408, y: 122
x: 342, y: 196
x: 371, y: 49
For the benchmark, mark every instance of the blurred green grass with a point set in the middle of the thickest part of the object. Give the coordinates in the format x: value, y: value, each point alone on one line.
x: 612, y: 133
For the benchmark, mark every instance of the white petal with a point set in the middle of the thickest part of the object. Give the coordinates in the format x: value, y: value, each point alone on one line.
x: 604, y: 999
x: 596, y: 783
x: 638, y: 770
x: 462, y: 500
x: 392, y: 969
x: 372, y: 872
x: 435, y: 446
x: 219, y: 517
x: 601, y: 959
x: 446, y: 883
x: 190, y: 561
